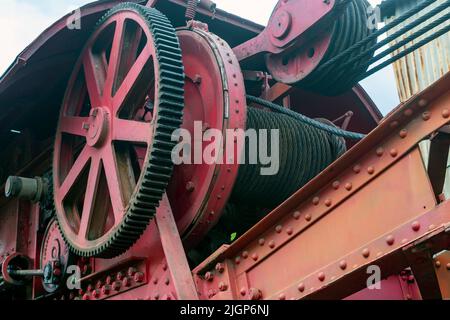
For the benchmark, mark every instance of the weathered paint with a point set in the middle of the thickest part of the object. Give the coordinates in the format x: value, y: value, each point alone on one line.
x: 420, y: 69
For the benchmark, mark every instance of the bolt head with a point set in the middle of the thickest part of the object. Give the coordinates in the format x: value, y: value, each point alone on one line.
x: 316, y: 201
x: 139, y: 277
x: 390, y: 240
x: 321, y: 276
x: 380, y: 152
x: 106, y: 289
x: 393, y: 153
x: 366, y: 253
x: 403, y: 134
x: 220, y: 268
x: 209, y: 276
x: 336, y: 185
x: 255, y: 294
x: 223, y: 286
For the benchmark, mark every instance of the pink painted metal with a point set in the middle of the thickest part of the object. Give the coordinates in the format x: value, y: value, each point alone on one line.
x: 90, y: 126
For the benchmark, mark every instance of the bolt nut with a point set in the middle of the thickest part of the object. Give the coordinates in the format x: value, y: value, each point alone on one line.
x: 255, y: 294
x: 223, y: 286
x: 116, y: 285
x: 131, y: 271
x: 209, y: 276
x: 139, y: 277
x: 220, y: 268
x: 106, y: 289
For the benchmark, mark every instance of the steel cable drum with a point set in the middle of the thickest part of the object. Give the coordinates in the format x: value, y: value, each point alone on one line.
x: 350, y: 28
x: 304, y: 152
x: 351, y: 25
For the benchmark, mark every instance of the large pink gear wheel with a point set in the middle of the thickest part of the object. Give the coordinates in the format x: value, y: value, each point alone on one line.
x: 125, y: 94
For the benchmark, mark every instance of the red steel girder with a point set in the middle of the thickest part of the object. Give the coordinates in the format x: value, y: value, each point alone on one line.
x: 362, y: 210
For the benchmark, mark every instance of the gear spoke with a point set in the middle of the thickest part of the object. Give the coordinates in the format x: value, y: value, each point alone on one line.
x: 131, y: 131
x: 74, y: 173
x: 131, y: 78
x: 115, y: 57
x: 94, y: 78
x: 114, y: 183
x: 90, y: 197
x: 74, y: 125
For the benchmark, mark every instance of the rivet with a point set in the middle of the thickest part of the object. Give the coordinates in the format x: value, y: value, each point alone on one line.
x: 380, y: 152
x: 139, y: 277
x: 106, y: 289
x: 316, y: 201
x: 155, y: 281
x: 209, y: 276
x: 243, y: 291
x: 156, y: 296
x: 348, y: 186
x: 390, y: 240
x: 426, y: 116
x: 445, y: 113
x: 245, y: 254
x: 279, y: 228
x: 321, y: 276
x: 272, y: 244
x: 448, y: 266
x: 423, y: 103
x: 289, y: 231
x: 282, y: 296
x: 126, y: 282
x: 343, y: 264
x: 255, y: 294
x: 370, y: 170
x: 167, y: 282
x: 308, y: 217
x: 301, y: 287
x: 403, y: 134
x: 223, y: 286
x: 164, y: 267
x: 336, y: 185
x: 394, y: 124
x: 415, y: 226
x: 366, y: 253
x: 261, y: 241
x: 328, y: 202
x: 437, y: 264
x: 86, y: 297
x: 237, y: 260
x: 296, y: 215
x: 408, y: 112
x: 393, y: 152
x: 357, y: 169
x: 220, y: 268
x: 255, y: 256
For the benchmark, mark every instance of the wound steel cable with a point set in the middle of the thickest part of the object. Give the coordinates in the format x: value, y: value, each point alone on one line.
x: 304, y: 119
x: 376, y: 34
x: 405, y: 52
x: 399, y: 33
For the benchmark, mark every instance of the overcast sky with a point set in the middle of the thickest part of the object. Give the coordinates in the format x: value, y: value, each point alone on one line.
x: 21, y: 21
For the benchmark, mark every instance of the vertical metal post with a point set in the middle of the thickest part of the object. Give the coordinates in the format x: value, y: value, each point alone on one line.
x: 174, y: 252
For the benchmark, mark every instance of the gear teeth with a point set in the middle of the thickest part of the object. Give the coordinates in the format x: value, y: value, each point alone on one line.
x: 157, y: 172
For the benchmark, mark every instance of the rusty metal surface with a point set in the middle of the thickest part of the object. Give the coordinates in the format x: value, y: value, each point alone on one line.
x: 363, y: 209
